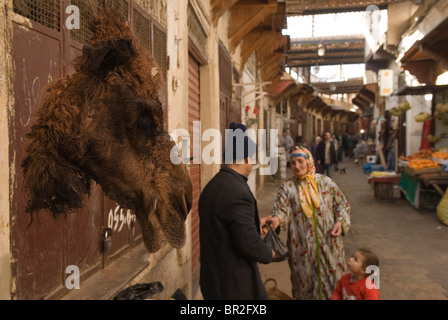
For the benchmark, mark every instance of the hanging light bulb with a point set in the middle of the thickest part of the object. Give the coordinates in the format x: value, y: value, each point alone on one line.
x: 320, y: 50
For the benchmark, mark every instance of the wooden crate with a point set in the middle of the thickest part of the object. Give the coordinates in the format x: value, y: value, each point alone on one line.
x: 383, y: 190
x: 383, y: 187
x: 414, y: 172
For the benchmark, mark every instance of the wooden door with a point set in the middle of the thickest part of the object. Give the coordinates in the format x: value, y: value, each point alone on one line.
x: 43, y: 50
x: 44, y: 249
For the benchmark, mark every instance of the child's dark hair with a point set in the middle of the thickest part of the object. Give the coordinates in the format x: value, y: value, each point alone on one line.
x: 369, y: 258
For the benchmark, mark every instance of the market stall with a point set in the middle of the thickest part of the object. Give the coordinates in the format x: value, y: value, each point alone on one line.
x: 424, y: 177
x: 384, y: 184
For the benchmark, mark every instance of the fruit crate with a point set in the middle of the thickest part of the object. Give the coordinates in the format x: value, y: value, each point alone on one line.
x: 414, y: 172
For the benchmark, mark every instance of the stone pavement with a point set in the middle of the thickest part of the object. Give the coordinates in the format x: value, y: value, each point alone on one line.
x: 412, y: 244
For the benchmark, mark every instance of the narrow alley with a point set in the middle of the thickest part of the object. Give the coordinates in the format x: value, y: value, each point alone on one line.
x: 412, y: 244
x: 115, y: 115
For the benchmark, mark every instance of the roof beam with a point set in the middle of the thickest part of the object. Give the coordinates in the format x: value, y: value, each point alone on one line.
x: 309, y: 7
x: 326, y: 62
x: 306, y: 99
x: 316, y: 41
x: 313, y: 51
x: 326, y: 110
x: 360, y: 102
x: 246, y: 17
x: 252, y: 42
x: 219, y: 7
x: 317, y: 58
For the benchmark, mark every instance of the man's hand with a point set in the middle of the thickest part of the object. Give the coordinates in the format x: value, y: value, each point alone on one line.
x: 263, y: 225
x: 264, y: 229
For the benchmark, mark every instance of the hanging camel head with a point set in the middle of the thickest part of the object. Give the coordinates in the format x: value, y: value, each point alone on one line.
x: 105, y: 123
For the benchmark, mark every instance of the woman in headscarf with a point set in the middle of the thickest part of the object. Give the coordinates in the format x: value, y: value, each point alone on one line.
x: 315, y: 213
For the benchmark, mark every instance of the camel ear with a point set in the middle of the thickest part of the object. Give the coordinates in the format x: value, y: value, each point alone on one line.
x: 106, y: 55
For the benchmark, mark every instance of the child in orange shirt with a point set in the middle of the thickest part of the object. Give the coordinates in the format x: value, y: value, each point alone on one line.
x: 354, y: 286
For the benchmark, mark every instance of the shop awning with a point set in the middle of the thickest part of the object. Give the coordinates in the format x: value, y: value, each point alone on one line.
x: 365, y: 97
x: 253, y: 24
x: 424, y: 56
x: 420, y: 90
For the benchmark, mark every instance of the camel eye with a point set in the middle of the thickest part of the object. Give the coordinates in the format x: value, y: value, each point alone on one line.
x: 145, y: 123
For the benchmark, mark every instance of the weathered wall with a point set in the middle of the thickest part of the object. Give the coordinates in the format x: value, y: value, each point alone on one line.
x: 5, y: 103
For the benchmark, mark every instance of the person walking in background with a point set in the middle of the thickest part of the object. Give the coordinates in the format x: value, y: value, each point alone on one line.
x: 229, y: 230
x: 340, y: 149
x: 390, y: 147
x: 357, y: 285
x: 345, y: 139
x: 313, y: 150
x: 361, y: 148
x: 336, y: 145
x: 315, y: 213
x: 352, y: 140
x: 286, y: 141
x: 326, y: 155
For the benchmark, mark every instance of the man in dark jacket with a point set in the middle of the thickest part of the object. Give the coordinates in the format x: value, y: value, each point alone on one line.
x: 229, y: 232
x: 326, y: 155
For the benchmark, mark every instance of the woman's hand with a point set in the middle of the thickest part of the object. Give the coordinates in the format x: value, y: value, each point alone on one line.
x: 268, y: 222
x: 337, y: 229
x: 273, y: 222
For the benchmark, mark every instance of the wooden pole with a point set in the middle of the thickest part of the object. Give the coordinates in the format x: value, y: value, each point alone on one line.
x: 379, y: 149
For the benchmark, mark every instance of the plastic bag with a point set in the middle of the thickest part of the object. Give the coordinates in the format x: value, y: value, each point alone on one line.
x: 140, y: 291
x: 281, y: 250
x: 442, y: 209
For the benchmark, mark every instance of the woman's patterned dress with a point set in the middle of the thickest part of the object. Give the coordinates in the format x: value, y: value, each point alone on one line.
x: 317, y: 259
